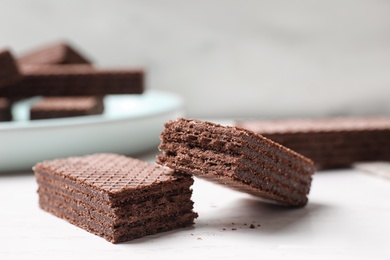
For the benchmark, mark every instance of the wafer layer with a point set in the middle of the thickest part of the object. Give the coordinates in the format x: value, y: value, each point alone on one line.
x: 116, y: 197
x: 116, y: 224
x: 120, y: 207
x: 127, y: 233
x: 75, y: 80
x: 331, y: 142
x: 56, y: 53
x: 58, y: 107
x: 238, y: 158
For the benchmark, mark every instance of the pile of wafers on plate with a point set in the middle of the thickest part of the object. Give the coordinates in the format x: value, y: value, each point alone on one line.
x: 67, y: 81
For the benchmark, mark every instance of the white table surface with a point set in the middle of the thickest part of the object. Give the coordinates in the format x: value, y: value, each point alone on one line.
x: 348, y: 217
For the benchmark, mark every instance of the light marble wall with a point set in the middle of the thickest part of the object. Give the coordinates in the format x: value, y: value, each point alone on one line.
x: 228, y: 57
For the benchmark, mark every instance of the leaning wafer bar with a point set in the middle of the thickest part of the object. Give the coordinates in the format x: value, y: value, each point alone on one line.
x: 56, y: 53
x: 237, y: 158
x: 116, y: 197
x: 9, y: 72
x: 59, y: 107
x: 330, y: 142
x: 5, y: 110
x: 75, y: 80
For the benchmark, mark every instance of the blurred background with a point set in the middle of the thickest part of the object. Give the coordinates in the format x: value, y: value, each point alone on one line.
x: 228, y: 58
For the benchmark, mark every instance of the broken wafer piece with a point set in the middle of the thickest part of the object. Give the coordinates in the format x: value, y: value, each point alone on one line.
x: 59, y: 107
x: 9, y: 72
x: 336, y: 142
x: 75, y: 80
x: 116, y: 197
x: 238, y: 158
x: 5, y: 110
x: 55, y: 53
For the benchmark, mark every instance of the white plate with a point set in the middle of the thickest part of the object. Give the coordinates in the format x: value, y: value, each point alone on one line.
x: 130, y: 124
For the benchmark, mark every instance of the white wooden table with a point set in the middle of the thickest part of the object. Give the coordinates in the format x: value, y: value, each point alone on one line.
x: 348, y: 217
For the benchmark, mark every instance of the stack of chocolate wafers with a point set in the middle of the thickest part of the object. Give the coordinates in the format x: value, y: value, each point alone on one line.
x: 59, y: 70
x: 330, y: 142
x: 115, y: 197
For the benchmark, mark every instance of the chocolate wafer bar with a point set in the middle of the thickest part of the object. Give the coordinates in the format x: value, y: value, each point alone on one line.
x: 238, y: 158
x: 5, y: 110
x: 75, y: 80
x: 330, y: 142
x: 116, y: 197
x: 55, y: 53
x: 9, y: 72
x: 59, y: 107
